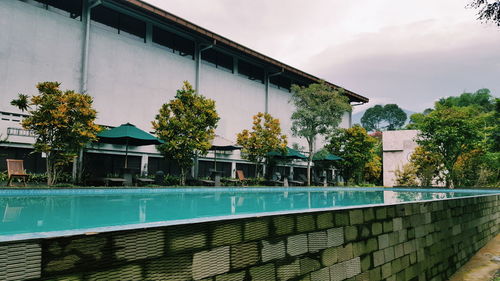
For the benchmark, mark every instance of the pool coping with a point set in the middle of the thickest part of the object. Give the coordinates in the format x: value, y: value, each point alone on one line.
x: 97, y: 230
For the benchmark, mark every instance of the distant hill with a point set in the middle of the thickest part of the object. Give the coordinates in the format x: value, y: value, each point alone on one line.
x: 356, y: 117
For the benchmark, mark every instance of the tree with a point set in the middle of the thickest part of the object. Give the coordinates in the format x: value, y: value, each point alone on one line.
x: 373, y: 118
x: 416, y: 118
x: 488, y: 10
x: 482, y: 99
x: 318, y: 111
x: 265, y: 137
x: 394, y: 116
x: 22, y: 102
x: 406, y: 176
x: 388, y: 117
x: 187, y: 125
x: 427, y: 166
x: 63, y: 122
x: 449, y: 132
x: 356, y: 148
x: 373, y: 169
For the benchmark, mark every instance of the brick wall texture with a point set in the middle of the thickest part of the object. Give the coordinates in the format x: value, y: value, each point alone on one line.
x: 413, y: 241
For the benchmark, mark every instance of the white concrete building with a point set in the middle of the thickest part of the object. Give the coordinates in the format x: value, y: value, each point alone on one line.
x: 397, y: 147
x: 132, y: 57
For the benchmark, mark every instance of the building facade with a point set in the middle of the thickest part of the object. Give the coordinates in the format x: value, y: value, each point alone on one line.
x: 131, y: 57
x: 398, y: 146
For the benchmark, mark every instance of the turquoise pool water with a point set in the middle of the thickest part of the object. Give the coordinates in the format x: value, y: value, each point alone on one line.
x: 26, y: 214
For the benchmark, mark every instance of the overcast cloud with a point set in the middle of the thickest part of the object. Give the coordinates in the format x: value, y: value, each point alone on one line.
x: 405, y: 52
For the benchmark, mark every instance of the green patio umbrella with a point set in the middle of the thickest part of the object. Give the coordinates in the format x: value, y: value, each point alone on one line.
x: 290, y: 153
x: 222, y: 144
x: 326, y: 157
x: 127, y: 134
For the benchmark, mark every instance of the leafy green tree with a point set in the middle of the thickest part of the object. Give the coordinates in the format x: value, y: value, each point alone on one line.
x: 406, y: 176
x: 373, y: 169
x: 356, y: 148
x: 478, y: 165
x: 481, y: 99
x: 394, y: 116
x: 63, y: 122
x: 22, y: 102
x: 427, y: 166
x: 489, y: 10
x: 373, y: 118
x: 318, y: 112
x: 416, y: 118
x: 449, y: 132
x: 264, y: 137
x: 187, y: 125
x: 387, y: 117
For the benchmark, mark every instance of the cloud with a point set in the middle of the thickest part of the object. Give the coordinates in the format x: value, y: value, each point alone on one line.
x: 415, y: 64
x: 404, y: 52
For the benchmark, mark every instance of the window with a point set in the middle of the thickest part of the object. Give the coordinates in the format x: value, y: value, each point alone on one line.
x: 121, y: 22
x: 280, y: 82
x: 132, y: 26
x: 174, y: 42
x: 251, y: 71
x: 71, y: 8
x: 218, y: 59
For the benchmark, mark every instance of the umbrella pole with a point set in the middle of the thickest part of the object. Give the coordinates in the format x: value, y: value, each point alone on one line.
x: 126, y: 155
x: 215, y: 160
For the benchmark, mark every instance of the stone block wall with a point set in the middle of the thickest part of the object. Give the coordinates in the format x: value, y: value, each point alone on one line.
x: 413, y: 241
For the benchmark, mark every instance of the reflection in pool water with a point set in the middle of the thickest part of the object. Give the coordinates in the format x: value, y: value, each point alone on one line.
x: 31, y: 211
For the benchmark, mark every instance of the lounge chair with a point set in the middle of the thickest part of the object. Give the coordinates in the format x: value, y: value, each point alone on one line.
x: 276, y: 180
x: 143, y: 181
x: 207, y: 182
x: 114, y: 181
x: 241, y: 178
x: 15, y: 169
x: 317, y: 180
x: 293, y: 182
x: 303, y: 178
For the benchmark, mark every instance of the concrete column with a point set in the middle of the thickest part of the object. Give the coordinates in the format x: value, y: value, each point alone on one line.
x: 144, y: 164
x: 233, y: 169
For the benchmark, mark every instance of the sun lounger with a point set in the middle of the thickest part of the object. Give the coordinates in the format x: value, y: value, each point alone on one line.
x: 15, y: 169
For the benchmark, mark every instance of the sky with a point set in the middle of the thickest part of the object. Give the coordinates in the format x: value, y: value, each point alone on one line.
x: 406, y: 52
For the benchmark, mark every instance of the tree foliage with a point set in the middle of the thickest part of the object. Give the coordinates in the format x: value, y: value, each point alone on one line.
x: 264, y: 137
x: 187, y: 125
x: 406, y: 176
x: 488, y: 10
x: 63, y: 122
x: 373, y: 169
x: 318, y: 112
x: 388, y: 117
x: 462, y: 140
x: 427, y: 166
x: 22, y: 102
x: 449, y: 132
x: 481, y: 99
x: 356, y: 148
x: 373, y: 118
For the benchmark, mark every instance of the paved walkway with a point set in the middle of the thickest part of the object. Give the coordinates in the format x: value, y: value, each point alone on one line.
x: 480, y: 267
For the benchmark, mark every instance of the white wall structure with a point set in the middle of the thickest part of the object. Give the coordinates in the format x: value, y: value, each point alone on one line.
x: 397, y: 149
x: 131, y: 76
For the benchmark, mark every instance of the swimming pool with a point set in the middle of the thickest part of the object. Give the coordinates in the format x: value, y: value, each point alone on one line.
x: 28, y: 214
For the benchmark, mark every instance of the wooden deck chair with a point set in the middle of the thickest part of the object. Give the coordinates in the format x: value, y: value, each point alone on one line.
x: 241, y: 177
x: 15, y: 169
